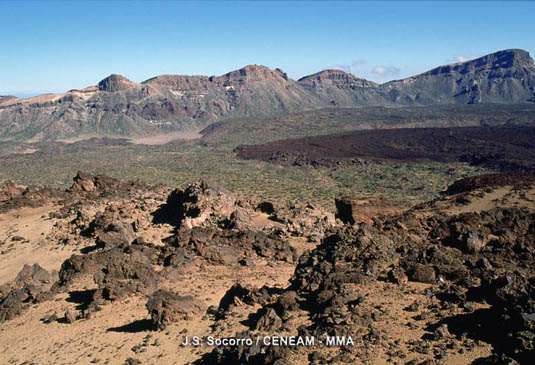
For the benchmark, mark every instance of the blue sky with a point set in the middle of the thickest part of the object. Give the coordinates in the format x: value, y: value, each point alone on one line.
x: 56, y: 46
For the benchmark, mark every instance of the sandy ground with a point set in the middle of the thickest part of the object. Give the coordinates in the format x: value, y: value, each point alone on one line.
x: 479, y: 201
x: 165, y: 138
x: 23, y: 240
x: 150, y: 140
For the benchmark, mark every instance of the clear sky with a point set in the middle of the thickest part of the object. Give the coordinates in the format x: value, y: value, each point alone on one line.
x: 59, y: 45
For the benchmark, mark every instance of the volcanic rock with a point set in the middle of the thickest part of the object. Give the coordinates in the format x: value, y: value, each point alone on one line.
x: 118, y: 272
x: 32, y: 285
x: 353, y: 210
x: 269, y: 321
x: 224, y: 247
x: 422, y: 273
x: 165, y: 308
x: 198, y: 204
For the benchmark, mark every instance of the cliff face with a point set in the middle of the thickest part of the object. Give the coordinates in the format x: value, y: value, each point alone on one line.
x: 336, y: 87
x: 502, y: 77
x: 120, y: 107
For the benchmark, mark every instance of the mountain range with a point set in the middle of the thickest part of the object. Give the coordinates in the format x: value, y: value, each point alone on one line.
x: 117, y: 106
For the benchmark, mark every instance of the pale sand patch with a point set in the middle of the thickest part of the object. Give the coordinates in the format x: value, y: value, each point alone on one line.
x: 28, y: 151
x: 504, y: 196
x: 158, y: 139
x: 165, y: 138
x: 37, y: 138
x: 28, y: 223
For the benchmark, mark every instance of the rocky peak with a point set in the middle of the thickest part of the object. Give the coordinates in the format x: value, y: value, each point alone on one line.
x: 253, y: 73
x: 115, y: 83
x: 509, y: 57
x: 335, y: 77
x: 501, y: 60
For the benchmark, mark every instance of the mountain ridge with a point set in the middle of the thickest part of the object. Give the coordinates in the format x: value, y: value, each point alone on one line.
x: 117, y: 106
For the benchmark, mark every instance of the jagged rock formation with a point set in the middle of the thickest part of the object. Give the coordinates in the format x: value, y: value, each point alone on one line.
x: 477, y: 268
x: 120, y: 107
x: 30, y: 286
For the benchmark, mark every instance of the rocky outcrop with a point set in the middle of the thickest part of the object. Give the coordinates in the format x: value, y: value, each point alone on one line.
x: 16, y: 196
x: 165, y: 308
x: 199, y: 204
x: 90, y: 186
x: 117, y: 272
x: 353, y: 210
x: 32, y: 285
x: 229, y: 247
x: 467, y: 262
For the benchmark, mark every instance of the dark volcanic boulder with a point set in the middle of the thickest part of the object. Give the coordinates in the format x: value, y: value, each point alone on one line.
x: 32, y: 285
x: 110, y: 229
x: 165, y: 307
x: 353, y: 210
x: 344, y: 256
x: 132, y: 274
x: 118, y: 272
x: 269, y: 321
x: 116, y: 234
x: 198, y: 204
x: 422, y: 273
x: 225, y: 247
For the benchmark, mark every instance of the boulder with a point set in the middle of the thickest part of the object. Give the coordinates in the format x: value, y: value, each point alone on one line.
x: 32, y: 285
x: 199, y: 204
x: 165, y: 307
x: 116, y: 234
x: 422, y: 273
x: 353, y: 210
x: 269, y: 321
x: 118, y: 272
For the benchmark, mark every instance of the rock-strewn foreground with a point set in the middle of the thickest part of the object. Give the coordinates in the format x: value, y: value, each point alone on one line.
x: 117, y: 106
x: 121, y: 272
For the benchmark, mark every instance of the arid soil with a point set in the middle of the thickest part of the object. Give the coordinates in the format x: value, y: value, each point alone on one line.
x: 118, y: 272
x: 501, y: 148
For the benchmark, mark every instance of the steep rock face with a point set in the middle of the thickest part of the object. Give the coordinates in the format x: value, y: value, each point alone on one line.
x: 120, y: 107
x: 337, y: 87
x: 501, y: 77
